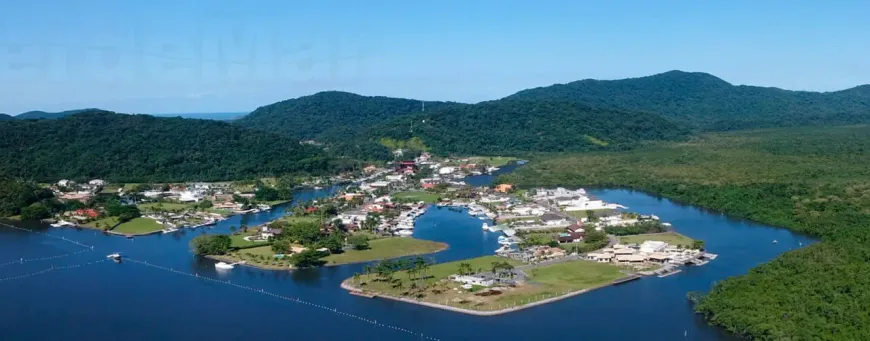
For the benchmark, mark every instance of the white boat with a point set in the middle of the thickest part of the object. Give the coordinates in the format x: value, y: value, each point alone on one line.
x: 504, y: 240
x: 62, y: 223
x: 169, y: 230
x: 485, y: 226
x: 223, y: 266
x: 405, y: 232
x: 509, y: 232
x: 492, y: 169
x: 114, y: 256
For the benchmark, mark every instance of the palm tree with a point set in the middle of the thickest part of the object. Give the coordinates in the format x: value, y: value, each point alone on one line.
x: 245, y: 228
x: 355, y: 277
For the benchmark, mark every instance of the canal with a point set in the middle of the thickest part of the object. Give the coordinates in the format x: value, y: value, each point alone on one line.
x: 132, y: 301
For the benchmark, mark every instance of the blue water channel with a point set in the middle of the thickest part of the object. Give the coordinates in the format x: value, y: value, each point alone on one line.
x: 131, y: 301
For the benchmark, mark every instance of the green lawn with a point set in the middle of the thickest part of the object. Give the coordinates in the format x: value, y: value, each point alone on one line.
x: 584, y: 214
x: 386, y: 248
x: 275, y: 202
x: 437, y: 272
x: 138, y: 226
x: 166, y: 206
x: 492, y: 161
x: 575, y: 275
x: 262, y: 257
x: 104, y: 223
x: 238, y: 240
x: 303, y: 219
x: 672, y: 238
x: 417, y: 196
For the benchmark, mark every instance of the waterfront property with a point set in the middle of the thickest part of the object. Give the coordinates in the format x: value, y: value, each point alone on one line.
x: 138, y: 226
x: 671, y: 238
x: 386, y: 248
x: 417, y: 196
x: 487, y: 285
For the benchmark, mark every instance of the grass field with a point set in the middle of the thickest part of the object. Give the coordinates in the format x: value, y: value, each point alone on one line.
x: 238, y: 240
x: 300, y: 219
x: 545, y: 282
x: 417, y: 196
x: 261, y: 257
x: 386, y: 248
x: 138, y: 226
x: 492, y: 161
x: 104, y: 223
x: 165, y: 206
x: 584, y: 214
x: 672, y: 238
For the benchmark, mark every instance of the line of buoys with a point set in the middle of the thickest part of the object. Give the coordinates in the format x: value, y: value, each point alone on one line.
x: 286, y: 298
x: 49, y: 235
x: 53, y: 268
x: 28, y: 260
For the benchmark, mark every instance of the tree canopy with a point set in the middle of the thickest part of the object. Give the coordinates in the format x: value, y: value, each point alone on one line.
x: 142, y: 148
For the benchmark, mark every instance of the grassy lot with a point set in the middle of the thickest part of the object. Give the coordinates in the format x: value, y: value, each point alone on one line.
x: 545, y: 282
x: 583, y: 214
x: 262, y: 257
x: 138, y: 226
x: 238, y: 240
x: 672, y: 238
x: 418, y: 196
x: 386, y: 248
x: 103, y: 223
x: 300, y: 219
x: 166, y: 206
x: 492, y: 161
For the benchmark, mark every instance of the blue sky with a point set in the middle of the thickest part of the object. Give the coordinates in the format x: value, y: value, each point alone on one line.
x: 158, y: 56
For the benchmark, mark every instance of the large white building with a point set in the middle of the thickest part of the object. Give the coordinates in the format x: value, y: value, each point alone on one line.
x: 651, y: 246
x: 481, y: 280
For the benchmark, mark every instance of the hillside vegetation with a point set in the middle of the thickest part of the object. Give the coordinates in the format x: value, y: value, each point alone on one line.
x: 331, y: 115
x: 509, y: 126
x: 706, y: 102
x: 813, y: 180
x: 142, y: 148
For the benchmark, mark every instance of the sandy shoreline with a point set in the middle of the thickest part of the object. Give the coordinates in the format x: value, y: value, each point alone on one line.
x: 346, y: 286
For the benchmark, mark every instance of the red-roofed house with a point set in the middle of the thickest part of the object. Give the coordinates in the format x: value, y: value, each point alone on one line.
x: 90, y: 213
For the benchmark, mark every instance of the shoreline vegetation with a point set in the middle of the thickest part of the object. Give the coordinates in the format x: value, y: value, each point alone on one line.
x: 430, y: 285
x: 262, y: 257
x: 808, y: 180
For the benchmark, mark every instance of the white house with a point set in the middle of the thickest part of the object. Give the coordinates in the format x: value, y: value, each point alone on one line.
x: 65, y: 183
x: 189, y: 196
x: 651, y: 246
x: 379, y: 184
x: 352, y: 217
x: 446, y: 170
x: 97, y: 183
x: 479, y: 279
x: 395, y: 178
x: 153, y: 194
x: 551, y: 219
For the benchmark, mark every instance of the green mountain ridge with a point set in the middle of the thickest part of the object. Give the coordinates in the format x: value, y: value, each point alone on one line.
x: 706, y: 102
x: 516, y: 126
x: 135, y: 148
x: 38, y: 114
x: 331, y: 115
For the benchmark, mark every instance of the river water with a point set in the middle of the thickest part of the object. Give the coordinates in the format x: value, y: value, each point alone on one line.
x: 132, y: 301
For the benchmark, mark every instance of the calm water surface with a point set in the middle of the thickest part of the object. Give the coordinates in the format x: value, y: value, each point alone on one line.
x: 129, y: 301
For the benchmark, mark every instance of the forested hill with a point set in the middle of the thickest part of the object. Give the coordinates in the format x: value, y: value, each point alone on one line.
x: 709, y: 103
x: 331, y: 115
x: 136, y: 148
x: 508, y: 126
x: 4, y: 117
x: 36, y: 114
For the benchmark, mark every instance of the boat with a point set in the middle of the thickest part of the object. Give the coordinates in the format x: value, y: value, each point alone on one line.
x: 169, y: 230
x: 405, y: 232
x: 115, y: 256
x: 485, y: 226
x: 318, y: 187
x: 223, y: 266
x: 774, y: 241
x: 505, y: 240
x: 492, y: 169
x: 63, y: 223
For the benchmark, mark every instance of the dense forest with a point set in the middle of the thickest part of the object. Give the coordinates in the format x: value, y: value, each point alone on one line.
x: 142, y: 148
x: 17, y: 195
x: 37, y: 114
x: 708, y: 103
x: 509, y: 126
x: 4, y: 117
x: 331, y: 115
x: 813, y: 180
